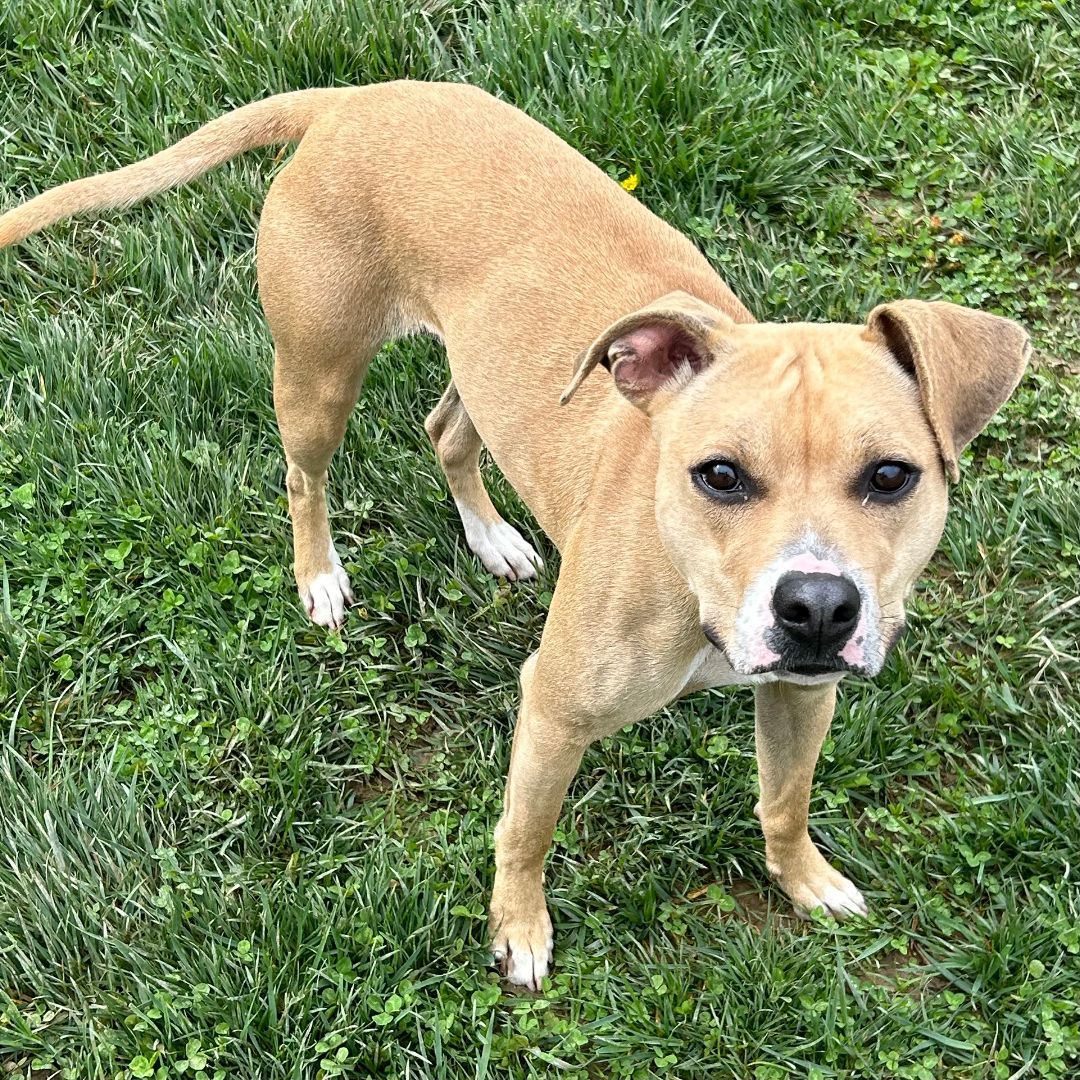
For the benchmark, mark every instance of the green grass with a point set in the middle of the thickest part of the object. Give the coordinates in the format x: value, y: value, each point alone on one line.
x: 232, y: 845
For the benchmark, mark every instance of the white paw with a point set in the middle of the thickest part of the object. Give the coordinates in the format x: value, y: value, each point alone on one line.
x: 328, y: 595
x: 500, y: 547
x: 826, y: 889
x: 522, y: 949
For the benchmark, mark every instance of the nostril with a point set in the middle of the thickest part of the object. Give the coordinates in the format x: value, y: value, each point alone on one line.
x: 797, y: 613
x: 845, y: 613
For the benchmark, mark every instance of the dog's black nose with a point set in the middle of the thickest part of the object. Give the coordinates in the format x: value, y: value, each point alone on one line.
x: 816, y: 611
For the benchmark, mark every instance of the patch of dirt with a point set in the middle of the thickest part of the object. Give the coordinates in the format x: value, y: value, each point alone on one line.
x: 894, y: 971
x: 13, y: 1068
x: 417, y: 754
x: 890, y: 965
x: 753, y: 906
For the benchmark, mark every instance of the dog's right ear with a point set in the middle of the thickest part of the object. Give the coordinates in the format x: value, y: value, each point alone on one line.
x: 664, y: 343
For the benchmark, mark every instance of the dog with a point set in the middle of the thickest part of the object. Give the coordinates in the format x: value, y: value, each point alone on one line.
x: 734, y: 502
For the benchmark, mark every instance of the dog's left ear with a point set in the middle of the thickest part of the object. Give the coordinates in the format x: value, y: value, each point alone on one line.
x: 662, y: 343
x: 966, y: 363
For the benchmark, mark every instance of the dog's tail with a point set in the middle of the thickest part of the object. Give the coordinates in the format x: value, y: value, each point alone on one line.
x: 282, y: 118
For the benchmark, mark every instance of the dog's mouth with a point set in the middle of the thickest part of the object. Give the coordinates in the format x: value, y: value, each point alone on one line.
x: 715, y: 640
x: 811, y: 669
x: 806, y: 674
x: 790, y: 669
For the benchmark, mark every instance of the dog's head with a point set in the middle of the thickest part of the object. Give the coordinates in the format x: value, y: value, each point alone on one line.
x: 802, y: 480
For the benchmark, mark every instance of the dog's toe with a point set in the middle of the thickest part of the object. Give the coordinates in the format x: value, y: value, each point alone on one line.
x: 813, y: 885
x: 503, y: 550
x: 516, y: 550
x: 522, y: 944
x: 843, y: 901
x: 524, y: 960
x: 328, y: 595
x: 832, y: 893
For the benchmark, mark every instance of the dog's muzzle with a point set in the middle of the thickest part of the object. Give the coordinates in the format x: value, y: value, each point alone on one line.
x: 811, y: 614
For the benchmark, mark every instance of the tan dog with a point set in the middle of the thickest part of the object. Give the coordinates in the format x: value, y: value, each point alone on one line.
x: 736, y: 503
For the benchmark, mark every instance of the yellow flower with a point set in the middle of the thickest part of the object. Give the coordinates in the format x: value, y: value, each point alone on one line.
x: 630, y: 182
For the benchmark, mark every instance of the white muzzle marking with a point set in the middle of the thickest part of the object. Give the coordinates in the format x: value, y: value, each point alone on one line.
x: 750, y: 651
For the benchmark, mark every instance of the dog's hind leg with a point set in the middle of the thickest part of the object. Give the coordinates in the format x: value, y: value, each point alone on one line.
x: 327, y: 304
x: 500, y: 547
x: 314, y: 393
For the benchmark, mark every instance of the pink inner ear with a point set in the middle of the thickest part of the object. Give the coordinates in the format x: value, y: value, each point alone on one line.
x: 649, y: 356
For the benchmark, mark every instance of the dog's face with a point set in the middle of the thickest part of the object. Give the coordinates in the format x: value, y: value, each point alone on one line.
x: 801, y: 485
x: 799, y: 493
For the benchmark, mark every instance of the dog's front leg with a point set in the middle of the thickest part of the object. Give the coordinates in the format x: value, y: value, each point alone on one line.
x: 791, y: 724
x: 546, y: 753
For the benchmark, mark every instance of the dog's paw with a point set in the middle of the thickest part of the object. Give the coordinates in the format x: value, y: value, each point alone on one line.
x: 835, y: 896
x: 328, y: 594
x: 521, y: 946
x: 814, y: 884
x: 501, y: 548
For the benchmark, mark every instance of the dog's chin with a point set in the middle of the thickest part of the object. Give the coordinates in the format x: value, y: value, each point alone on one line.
x: 811, y: 675
x: 805, y: 676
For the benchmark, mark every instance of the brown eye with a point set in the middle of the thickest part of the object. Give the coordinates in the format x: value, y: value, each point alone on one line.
x: 721, y: 478
x: 891, y: 478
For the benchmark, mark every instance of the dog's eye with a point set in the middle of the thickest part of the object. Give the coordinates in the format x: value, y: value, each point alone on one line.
x: 889, y: 480
x: 721, y: 478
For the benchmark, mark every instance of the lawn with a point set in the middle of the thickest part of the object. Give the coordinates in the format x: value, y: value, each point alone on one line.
x: 235, y: 845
